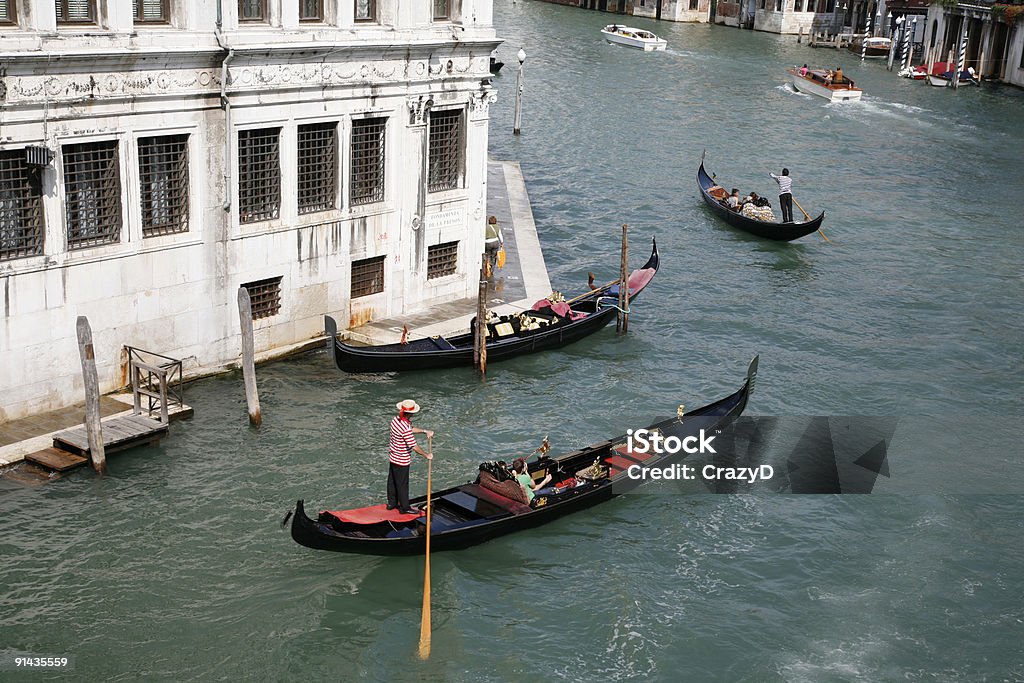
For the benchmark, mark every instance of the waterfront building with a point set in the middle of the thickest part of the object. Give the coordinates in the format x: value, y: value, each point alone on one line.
x: 156, y: 155
x: 993, y: 34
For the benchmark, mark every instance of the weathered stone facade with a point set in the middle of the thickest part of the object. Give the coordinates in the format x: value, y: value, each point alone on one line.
x: 212, y: 82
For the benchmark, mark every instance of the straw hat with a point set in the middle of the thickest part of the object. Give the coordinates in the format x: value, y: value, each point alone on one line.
x: 408, y: 406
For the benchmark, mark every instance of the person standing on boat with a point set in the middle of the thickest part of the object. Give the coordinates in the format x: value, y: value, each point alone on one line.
x: 401, y: 446
x: 785, y: 194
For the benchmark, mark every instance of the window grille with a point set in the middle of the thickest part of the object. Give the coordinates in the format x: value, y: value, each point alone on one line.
x: 366, y: 10
x: 693, y: 4
x: 7, y: 15
x: 92, y: 194
x: 317, y: 156
x: 264, y: 297
x: 151, y: 11
x: 252, y: 10
x: 367, y: 276
x: 163, y: 184
x: 76, y: 11
x: 311, y: 10
x: 368, y: 137
x: 21, y: 208
x: 445, y: 167
x: 442, y: 259
x: 259, y: 175
x: 441, y: 10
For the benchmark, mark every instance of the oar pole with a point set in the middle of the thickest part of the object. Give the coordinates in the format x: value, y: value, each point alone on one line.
x: 425, y: 614
x: 593, y: 292
x: 806, y: 216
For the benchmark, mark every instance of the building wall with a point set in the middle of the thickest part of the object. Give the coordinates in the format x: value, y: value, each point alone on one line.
x: 176, y: 294
x: 674, y: 10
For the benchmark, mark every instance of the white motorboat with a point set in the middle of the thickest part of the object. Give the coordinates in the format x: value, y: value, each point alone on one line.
x: 818, y: 82
x: 633, y: 37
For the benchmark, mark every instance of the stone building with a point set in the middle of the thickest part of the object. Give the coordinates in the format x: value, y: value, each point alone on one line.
x: 156, y: 155
x: 994, y: 39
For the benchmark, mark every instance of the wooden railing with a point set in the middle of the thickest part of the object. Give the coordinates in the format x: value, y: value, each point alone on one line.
x: 156, y: 382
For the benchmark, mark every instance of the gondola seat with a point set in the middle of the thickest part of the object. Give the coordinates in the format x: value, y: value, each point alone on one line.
x: 442, y: 343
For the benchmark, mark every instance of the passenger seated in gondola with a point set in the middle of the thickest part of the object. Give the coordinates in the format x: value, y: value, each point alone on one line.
x: 759, y: 209
x: 752, y: 197
x: 526, y: 481
x: 733, y: 201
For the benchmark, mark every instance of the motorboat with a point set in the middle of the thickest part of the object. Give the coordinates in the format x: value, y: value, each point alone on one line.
x: 639, y: 38
x: 819, y: 82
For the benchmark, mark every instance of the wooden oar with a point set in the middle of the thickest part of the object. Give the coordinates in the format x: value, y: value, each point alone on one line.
x: 593, y: 292
x: 425, y: 614
x: 808, y: 217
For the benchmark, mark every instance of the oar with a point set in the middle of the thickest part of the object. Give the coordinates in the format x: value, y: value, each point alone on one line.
x: 593, y: 292
x: 808, y: 217
x: 425, y: 615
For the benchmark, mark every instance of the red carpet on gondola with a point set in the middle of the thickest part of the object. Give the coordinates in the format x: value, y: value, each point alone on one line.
x: 373, y: 515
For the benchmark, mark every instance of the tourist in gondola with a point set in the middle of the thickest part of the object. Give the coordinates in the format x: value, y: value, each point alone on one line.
x: 734, y: 200
x: 523, y: 477
x: 785, y: 194
x: 402, y: 444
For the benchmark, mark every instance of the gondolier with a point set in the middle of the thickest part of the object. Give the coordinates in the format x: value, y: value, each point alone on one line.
x: 402, y: 444
x: 785, y: 194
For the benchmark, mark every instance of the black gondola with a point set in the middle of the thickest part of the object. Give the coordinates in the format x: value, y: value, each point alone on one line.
x: 496, y: 65
x: 783, y: 232
x: 508, y: 336
x: 469, y: 514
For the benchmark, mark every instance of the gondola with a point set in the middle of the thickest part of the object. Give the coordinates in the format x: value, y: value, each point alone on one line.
x: 465, y: 515
x: 545, y: 327
x: 783, y: 232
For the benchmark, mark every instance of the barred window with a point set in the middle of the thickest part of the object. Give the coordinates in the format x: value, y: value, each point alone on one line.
x: 259, y: 175
x: 21, y: 208
x: 92, y: 189
x: 318, y: 158
x: 151, y: 11
x: 311, y: 10
x: 441, y: 10
x: 445, y: 166
x: 7, y: 15
x: 693, y: 4
x: 163, y: 184
x: 366, y: 10
x: 252, y: 10
x: 442, y: 259
x: 367, y: 276
x: 367, y: 175
x: 264, y: 297
x: 76, y: 11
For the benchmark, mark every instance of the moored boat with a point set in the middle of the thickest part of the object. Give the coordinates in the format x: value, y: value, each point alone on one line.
x: 817, y: 82
x: 633, y: 37
x: 783, y: 232
x: 549, y: 325
x: 465, y: 515
x: 945, y: 79
x: 875, y: 47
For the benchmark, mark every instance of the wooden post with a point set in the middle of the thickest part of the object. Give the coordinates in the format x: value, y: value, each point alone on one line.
x: 622, y: 323
x: 480, y: 332
x: 93, y: 428
x: 800, y: 35
x: 252, y: 397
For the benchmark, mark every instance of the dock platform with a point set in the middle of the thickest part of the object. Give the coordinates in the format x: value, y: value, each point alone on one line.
x: 119, y: 433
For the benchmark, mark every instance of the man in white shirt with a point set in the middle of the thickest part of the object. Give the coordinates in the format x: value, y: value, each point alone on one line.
x: 785, y: 194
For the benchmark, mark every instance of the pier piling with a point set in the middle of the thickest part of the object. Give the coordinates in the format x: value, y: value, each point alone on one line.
x: 94, y: 430
x: 252, y: 397
x: 622, y: 323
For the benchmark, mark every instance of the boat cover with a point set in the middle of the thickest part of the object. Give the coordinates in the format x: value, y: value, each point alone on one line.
x: 373, y: 515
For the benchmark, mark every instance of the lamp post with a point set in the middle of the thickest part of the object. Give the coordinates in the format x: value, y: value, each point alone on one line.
x: 517, y: 121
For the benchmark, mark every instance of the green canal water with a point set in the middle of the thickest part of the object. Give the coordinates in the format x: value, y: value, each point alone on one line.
x: 175, y: 567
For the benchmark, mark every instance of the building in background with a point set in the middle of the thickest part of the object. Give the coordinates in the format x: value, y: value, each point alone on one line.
x: 991, y: 34
x: 156, y: 155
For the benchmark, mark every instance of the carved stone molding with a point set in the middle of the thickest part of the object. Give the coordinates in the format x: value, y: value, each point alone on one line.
x: 480, y: 103
x: 419, y: 109
x: 77, y: 87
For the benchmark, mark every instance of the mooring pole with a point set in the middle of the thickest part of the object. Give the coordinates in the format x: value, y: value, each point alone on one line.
x: 480, y: 329
x: 622, y: 322
x: 252, y: 397
x: 93, y: 428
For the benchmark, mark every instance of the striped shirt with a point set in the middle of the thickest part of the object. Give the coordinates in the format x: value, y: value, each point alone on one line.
x: 784, y: 181
x: 402, y: 441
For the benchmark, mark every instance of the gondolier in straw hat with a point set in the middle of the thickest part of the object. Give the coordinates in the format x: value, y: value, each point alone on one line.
x: 401, y: 445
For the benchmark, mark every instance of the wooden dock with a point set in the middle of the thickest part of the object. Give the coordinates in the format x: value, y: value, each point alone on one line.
x: 119, y: 433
